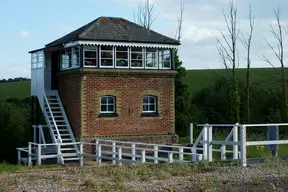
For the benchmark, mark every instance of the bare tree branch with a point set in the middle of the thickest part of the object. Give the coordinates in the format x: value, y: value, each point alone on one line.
x: 179, y: 31
x: 145, y: 15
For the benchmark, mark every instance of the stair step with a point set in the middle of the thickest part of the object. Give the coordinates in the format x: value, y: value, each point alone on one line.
x: 55, y: 116
x: 67, y: 149
x: 67, y: 159
x: 61, y: 130
x: 60, y: 125
x: 59, y: 121
x: 65, y: 134
x: 53, y: 108
x: 67, y: 139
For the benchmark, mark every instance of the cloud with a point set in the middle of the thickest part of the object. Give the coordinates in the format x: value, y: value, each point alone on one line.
x: 24, y: 34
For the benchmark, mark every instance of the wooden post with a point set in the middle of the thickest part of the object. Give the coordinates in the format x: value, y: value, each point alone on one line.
x: 205, y: 142
x: 209, y: 144
x: 243, y: 145
x: 58, y: 153
x: 96, y: 149
x: 143, y: 156
x: 235, y: 139
x: 81, y: 154
x: 114, y: 153
x: 39, y: 154
x: 191, y: 133
x: 120, y: 156
x: 29, y: 154
x: 155, y: 154
x: 19, y: 157
x: 170, y: 157
x: 99, y: 160
x: 181, y: 156
x: 223, y: 152
x: 133, y: 151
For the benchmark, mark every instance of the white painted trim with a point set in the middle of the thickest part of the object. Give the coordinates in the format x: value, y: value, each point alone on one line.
x: 126, y: 44
x: 130, y: 60
x: 85, y: 48
x: 113, y: 58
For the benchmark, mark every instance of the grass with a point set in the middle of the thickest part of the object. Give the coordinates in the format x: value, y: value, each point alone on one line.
x: 19, y: 90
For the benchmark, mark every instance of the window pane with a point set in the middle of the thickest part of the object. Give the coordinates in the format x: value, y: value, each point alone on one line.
x: 122, y: 55
x: 152, y: 107
x: 106, y: 62
x: 122, y: 63
x: 122, y: 49
x: 90, y: 62
x: 103, y: 100
x: 136, y: 49
x: 145, y: 99
x: 103, y: 108
x: 107, y: 55
x: 136, y: 63
x: 151, y: 99
x: 110, y: 48
x: 136, y: 56
x: 165, y: 58
x: 145, y: 107
x: 90, y: 54
x: 151, y: 60
x: 111, y: 108
x: 110, y: 100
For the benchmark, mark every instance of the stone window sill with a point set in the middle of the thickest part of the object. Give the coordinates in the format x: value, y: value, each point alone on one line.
x: 108, y: 115
x: 149, y: 114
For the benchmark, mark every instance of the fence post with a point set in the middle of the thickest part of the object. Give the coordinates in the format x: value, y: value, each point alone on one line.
x: 143, y: 157
x: 19, y: 157
x: 113, y: 153
x: 235, y: 139
x: 243, y: 145
x: 81, y: 154
x: 205, y: 142
x: 191, y: 133
x: 210, y: 144
x: 120, y: 156
x: 34, y: 133
x: 199, y: 157
x: 170, y: 157
x: 194, y: 151
x: 99, y: 160
x: 58, y: 153
x: 39, y: 154
x: 29, y: 154
x: 155, y: 154
x: 96, y: 149
x: 223, y: 152
x: 133, y: 152
x: 181, y: 154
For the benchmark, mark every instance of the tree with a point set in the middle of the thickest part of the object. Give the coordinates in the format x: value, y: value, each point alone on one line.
x: 145, y: 15
x: 246, y: 41
x: 227, y: 49
x: 277, y: 33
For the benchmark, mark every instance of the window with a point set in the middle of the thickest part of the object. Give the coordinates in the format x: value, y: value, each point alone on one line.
x: 122, y: 57
x: 164, y: 58
x: 37, y: 60
x: 149, y: 104
x: 107, y: 56
x: 107, y: 104
x: 90, y: 56
x: 70, y: 58
x: 136, y: 57
x: 151, y: 58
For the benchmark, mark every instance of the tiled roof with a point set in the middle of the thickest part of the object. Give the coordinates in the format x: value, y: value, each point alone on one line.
x: 114, y: 29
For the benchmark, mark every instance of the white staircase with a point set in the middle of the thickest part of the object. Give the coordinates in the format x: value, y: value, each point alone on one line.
x: 59, y: 126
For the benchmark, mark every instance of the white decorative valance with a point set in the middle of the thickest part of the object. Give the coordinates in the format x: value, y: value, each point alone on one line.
x: 123, y: 44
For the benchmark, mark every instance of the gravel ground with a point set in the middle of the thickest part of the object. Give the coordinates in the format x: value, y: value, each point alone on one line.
x: 268, y: 177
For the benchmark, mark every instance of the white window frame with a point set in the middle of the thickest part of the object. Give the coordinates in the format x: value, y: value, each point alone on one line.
x: 128, y: 55
x: 160, y: 64
x: 143, y: 58
x: 155, y: 104
x: 157, y: 60
x: 107, y: 104
x: 39, y: 60
x: 72, y: 52
x: 113, y: 57
x: 97, y: 55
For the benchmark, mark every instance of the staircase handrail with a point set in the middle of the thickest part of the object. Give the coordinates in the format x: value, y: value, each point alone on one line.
x: 54, y: 122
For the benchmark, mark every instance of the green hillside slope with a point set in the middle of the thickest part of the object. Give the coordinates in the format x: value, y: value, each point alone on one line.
x: 19, y: 89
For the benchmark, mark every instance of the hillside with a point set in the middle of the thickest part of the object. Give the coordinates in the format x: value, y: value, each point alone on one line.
x: 199, y: 79
x: 20, y: 90
x: 196, y: 79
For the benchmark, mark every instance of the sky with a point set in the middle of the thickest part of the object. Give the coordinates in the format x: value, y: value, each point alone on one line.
x: 31, y: 24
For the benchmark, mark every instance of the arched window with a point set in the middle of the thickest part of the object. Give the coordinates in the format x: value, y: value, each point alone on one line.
x: 107, y: 104
x: 149, y: 104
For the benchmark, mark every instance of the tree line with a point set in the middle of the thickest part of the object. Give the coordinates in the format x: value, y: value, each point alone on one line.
x: 14, y: 79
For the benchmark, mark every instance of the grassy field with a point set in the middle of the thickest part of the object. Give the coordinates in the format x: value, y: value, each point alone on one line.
x: 199, y: 79
x: 20, y: 90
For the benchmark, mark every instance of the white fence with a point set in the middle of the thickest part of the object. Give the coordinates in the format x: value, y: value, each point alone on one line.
x: 115, y: 151
x: 234, y: 139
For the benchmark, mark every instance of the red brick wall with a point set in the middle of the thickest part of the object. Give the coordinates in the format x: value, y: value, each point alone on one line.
x: 128, y: 90
x: 69, y: 90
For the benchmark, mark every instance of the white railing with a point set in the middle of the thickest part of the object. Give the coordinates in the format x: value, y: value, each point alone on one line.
x: 58, y: 140
x: 206, y: 139
x: 116, y: 151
